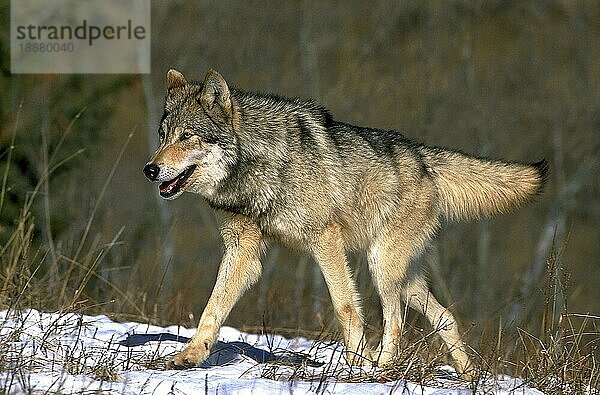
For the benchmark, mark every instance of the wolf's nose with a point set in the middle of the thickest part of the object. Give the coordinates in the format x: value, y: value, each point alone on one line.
x: 151, y: 171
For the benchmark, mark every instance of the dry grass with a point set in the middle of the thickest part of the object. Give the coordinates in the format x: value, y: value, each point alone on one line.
x: 562, y: 360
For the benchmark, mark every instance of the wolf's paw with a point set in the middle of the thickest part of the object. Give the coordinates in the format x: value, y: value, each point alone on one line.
x: 191, y: 356
x: 467, y: 371
x: 469, y: 375
x: 385, y: 356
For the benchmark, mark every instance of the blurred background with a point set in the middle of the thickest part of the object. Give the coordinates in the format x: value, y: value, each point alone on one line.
x: 517, y: 80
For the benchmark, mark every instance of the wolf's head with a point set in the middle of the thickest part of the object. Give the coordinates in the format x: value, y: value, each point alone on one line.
x: 197, y: 136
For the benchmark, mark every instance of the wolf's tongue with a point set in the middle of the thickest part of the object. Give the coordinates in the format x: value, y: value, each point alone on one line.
x: 165, y: 186
x: 172, y: 187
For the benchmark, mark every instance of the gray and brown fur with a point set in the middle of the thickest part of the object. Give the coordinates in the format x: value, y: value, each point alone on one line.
x: 284, y: 170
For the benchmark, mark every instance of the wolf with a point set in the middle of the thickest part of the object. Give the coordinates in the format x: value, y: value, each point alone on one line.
x: 283, y: 170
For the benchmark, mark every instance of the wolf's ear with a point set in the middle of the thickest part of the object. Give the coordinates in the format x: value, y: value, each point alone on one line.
x: 175, y: 79
x: 215, y: 97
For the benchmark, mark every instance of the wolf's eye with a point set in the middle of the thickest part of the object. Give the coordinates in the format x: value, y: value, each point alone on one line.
x: 185, y: 136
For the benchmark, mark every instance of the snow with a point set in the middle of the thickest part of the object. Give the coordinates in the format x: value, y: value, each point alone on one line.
x: 72, y: 353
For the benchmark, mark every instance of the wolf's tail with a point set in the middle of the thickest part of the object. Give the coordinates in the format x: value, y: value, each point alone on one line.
x: 470, y: 187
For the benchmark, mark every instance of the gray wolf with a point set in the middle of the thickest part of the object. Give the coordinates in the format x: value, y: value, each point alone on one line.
x: 284, y: 170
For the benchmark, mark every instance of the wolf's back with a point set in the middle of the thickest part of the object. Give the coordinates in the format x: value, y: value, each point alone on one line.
x: 471, y: 187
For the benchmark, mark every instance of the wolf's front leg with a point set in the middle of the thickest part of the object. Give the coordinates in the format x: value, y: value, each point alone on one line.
x: 329, y: 253
x: 239, y: 269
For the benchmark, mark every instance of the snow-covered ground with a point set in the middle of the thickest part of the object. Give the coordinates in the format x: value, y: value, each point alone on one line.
x: 71, y: 353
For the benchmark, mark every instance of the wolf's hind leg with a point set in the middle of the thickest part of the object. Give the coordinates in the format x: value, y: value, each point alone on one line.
x: 419, y: 298
x: 400, y: 280
x: 388, y: 263
x: 329, y: 253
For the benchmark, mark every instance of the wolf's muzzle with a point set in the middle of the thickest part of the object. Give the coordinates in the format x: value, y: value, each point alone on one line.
x: 151, y: 171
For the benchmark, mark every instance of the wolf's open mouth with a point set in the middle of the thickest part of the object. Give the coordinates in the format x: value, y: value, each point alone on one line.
x: 171, y: 188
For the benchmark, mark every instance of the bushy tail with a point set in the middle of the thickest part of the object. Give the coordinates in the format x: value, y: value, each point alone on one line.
x: 471, y: 187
